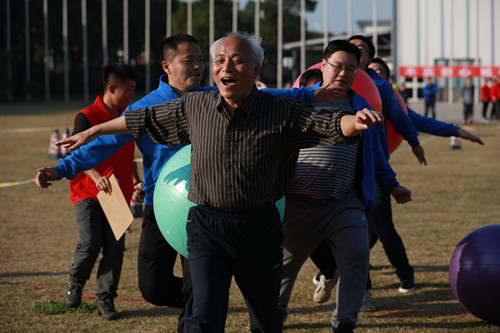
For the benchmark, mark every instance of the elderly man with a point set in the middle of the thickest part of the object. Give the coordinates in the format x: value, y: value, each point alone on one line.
x: 245, y: 145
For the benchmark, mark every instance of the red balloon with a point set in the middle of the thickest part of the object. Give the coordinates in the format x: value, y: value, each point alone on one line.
x: 296, y: 84
x: 363, y: 85
x: 395, y: 138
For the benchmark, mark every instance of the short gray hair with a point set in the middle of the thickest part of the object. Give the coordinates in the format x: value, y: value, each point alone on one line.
x: 252, y: 41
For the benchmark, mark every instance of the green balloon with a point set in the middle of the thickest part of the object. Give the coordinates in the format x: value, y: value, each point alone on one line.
x: 170, y: 203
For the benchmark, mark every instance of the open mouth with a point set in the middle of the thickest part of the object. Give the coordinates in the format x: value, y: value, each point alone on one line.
x: 228, y: 81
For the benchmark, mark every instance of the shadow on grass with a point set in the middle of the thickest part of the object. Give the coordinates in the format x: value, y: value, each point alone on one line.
x: 152, y: 312
x: 389, y: 270
x: 305, y: 327
x: 458, y: 327
x: 28, y: 274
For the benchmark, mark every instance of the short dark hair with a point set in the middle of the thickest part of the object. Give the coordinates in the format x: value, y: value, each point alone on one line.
x: 386, y: 68
x: 117, y: 74
x: 311, y: 74
x: 170, y: 44
x: 371, y: 47
x: 341, y: 45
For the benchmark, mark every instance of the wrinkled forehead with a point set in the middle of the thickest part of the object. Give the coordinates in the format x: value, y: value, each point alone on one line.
x: 233, y: 46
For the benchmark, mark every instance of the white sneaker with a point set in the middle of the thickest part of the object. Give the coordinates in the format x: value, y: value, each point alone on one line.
x: 324, y: 289
x: 368, y: 305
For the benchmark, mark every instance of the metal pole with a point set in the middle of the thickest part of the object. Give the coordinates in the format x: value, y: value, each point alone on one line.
x: 125, y: 32
x: 85, y: 57
x: 478, y: 60
x: 65, y: 50
x: 394, y: 37
x: 419, y: 34
x: 442, y: 28
x: 419, y: 61
x: 467, y: 29
x: 257, y: 18
x: 375, y: 23
x: 169, y: 17
x: 325, y: 23
x: 27, y: 49
x: 211, y: 33
x: 104, y: 23
x: 46, y: 49
x: 493, y: 18
x: 147, y: 46
x: 279, y: 72
x: 450, y: 80
x: 8, y: 47
x: 302, y: 35
x: 349, y: 17
x: 189, y: 17
x: 235, y: 15
x: 425, y: 43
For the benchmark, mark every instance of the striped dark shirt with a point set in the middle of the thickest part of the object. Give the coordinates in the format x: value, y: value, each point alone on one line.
x: 242, y: 162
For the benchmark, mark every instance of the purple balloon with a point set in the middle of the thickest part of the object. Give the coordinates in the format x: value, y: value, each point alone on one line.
x: 475, y: 273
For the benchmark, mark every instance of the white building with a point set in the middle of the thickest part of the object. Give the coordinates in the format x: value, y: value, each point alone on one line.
x: 448, y: 33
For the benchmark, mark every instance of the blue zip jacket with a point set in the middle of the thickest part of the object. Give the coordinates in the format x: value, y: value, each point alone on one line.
x: 392, y: 110
x: 431, y: 125
x: 154, y: 155
x: 430, y: 91
x: 374, y: 165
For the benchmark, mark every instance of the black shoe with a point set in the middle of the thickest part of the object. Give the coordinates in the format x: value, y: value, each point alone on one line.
x: 407, y: 285
x: 106, y: 309
x: 73, y: 296
x: 344, y: 328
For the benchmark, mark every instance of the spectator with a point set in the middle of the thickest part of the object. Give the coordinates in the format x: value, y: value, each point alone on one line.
x: 430, y: 92
x: 468, y: 101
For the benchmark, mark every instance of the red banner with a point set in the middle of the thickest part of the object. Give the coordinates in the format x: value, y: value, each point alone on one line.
x: 449, y: 71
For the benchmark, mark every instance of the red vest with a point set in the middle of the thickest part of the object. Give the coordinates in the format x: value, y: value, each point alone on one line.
x: 120, y: 163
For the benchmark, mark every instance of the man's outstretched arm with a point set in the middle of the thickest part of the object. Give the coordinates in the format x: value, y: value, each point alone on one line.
x: 115, y: 126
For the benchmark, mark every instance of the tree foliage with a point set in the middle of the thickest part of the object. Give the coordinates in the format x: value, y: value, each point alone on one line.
x: 136, y: 27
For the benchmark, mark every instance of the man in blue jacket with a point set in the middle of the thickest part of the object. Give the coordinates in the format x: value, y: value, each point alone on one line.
x: 333, y: 188
x: 322, y: 256
x: 430, y: 91
x: 183, y: 67
x: 422, y: 123
x: 382, y: 213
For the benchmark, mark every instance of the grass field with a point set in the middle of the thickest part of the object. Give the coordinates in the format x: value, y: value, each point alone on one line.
x: 457, y: 192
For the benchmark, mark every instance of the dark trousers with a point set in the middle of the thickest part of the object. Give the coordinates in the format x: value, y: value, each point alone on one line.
x: 94, y: 234
x: 485, y: 109
x: 432, y: 107
x: 381, y: 218
x: 495, y: 111
x: 245, y: 244
x: 155, y: 269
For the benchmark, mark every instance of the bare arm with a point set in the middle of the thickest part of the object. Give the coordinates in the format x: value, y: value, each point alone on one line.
x: 101, y: 182
x: 355, y: 124
x: 468, y: 136
x: 401, y: 194
x: 418, y: 151
x: 115, y: 126
x: 44, y: 177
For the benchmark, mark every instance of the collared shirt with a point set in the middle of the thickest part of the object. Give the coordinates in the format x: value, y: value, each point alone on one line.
x: 242, y: 162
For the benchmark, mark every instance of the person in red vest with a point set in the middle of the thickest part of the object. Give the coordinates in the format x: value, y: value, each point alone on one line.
x: 94, y: 232
x: 495, y: 98
x: 485, y: 97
